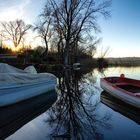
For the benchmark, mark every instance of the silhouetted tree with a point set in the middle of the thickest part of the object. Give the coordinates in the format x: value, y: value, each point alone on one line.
x: 75, y: 20
x: 15, y: 31
x: 44, y: 30
x: 102, y: 62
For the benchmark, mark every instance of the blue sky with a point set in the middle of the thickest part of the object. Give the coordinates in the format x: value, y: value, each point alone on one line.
x: 121, y: 32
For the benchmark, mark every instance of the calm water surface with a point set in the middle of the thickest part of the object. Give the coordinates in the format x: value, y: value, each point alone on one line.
x: 120, y: 121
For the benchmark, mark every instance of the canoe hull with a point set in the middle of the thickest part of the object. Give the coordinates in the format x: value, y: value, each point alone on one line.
x: 120, y: 94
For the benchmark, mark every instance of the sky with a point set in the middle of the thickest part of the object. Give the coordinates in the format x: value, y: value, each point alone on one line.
x: 121, y: 32
x: 27, y: 10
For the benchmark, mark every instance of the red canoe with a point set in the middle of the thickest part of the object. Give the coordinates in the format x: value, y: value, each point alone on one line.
x: 125, y: 89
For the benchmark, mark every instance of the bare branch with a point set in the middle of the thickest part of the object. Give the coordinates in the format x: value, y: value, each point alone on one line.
x: 15, y: 30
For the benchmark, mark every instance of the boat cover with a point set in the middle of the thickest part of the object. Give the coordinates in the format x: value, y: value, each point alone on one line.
x: 12, y: 75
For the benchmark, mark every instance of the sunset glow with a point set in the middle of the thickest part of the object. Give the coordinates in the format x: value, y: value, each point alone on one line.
x: 10, y: 45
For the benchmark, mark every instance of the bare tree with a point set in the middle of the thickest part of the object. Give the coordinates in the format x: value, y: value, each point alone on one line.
x: 102, y: 61
x: 15, y: 31
x: 45, y: 32
x: 75, y: 20
x: 104, y: 52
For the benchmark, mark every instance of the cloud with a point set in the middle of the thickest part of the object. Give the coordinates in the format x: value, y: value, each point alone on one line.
x: 13, y: 9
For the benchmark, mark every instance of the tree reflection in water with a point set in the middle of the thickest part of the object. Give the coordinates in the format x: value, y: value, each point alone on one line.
x: 73, y: 116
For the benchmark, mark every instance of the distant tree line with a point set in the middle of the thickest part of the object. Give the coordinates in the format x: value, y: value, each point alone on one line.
x: 5, y: 50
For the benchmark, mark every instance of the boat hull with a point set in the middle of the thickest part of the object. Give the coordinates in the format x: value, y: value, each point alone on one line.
x: 119, y: 93
x: 125, y: 109
x: 19, y: 92
x: 14, y: 116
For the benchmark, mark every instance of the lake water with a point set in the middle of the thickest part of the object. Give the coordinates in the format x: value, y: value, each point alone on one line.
x: 114, y: 119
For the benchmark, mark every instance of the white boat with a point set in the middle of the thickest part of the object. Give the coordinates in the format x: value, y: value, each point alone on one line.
x: 77, y: 66
x: 17, y: 85
x: 125, y: 89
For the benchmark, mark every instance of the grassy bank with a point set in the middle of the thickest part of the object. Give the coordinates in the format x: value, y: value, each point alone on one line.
x: 126, y: 61
x: 105, y: 62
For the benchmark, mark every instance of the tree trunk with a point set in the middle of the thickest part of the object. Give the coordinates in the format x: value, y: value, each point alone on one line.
x: 46, y: 50
x: 66, y: 55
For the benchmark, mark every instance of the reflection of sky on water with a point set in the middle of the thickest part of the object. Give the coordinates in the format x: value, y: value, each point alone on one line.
x: 121, y: 127
x: 131, y: 72
x: 34, y: 130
